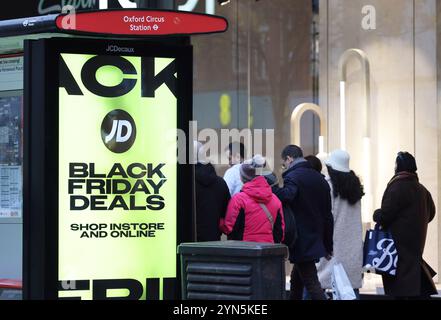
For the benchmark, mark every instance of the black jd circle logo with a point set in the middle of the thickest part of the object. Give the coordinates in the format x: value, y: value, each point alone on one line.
x: 118, y: 131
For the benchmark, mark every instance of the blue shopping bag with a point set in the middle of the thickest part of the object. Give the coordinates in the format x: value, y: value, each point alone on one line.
x: 379, y: 252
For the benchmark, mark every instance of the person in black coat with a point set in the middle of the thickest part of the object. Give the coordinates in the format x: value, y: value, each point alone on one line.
x: 406, y: 210
x: 308, y: 195
x: 212, y: 197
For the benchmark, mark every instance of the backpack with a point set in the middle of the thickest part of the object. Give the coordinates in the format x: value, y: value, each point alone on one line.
x: 290, y: 227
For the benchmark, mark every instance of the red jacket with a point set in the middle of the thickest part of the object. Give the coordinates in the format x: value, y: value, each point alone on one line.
x: 246, y: 220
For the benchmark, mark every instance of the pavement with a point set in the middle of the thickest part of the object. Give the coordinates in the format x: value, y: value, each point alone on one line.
x: 373, y: 288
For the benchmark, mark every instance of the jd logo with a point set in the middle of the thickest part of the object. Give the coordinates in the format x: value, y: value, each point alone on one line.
x: 118, y: 131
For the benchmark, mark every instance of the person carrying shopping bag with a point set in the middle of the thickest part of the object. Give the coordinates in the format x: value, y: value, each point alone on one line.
x: 406, y: 210
x: 346, y: 194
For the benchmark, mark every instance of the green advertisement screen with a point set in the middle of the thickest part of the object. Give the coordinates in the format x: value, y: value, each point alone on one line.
x: 117, y: 197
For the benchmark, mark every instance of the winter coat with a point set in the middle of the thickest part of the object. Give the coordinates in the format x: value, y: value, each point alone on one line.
x: 348, y: 242
x: 308, y: 194
x: 406, y: 209
x: 246, y: 220
x: 232, y: 178
x: 212, y: 197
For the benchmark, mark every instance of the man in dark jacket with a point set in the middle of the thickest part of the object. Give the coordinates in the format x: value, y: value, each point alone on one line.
x: 212, y: 197
x: 308, y: 194
x: 406, y: 210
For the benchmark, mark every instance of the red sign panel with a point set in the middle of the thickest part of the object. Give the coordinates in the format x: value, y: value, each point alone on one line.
x: 142, y: 23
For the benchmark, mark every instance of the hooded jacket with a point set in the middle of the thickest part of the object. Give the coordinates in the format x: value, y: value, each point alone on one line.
x: 212, y: 196
x: 246, y: 220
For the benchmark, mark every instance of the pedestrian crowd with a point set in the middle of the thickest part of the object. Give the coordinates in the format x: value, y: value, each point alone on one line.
x: 318, y: 216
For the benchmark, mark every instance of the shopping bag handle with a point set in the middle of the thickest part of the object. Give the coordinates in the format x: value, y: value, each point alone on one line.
x: 378, y: 227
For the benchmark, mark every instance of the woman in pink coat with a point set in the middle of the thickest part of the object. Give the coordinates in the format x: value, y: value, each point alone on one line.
x: 254, y: 214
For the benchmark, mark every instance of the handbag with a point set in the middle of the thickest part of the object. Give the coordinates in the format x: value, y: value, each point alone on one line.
x: 379, y: 252
x: 341, y: 286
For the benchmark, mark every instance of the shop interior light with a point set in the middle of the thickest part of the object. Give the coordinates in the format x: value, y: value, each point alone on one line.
x: 343, y: 115
x: 361, y: 56
x: 296, y: 117
x: 321, y: 145
x: 343, y: 65
x: 367, y: 183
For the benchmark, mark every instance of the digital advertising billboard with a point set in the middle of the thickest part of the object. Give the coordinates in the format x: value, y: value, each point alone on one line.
x: 118, y: 203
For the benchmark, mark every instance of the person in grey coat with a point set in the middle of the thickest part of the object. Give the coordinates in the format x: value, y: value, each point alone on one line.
x: 346, y: 194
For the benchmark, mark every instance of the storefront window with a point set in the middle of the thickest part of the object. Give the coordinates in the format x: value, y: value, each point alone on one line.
x: 254, y: 75
x: 390, y: 106
x: 369, y: 70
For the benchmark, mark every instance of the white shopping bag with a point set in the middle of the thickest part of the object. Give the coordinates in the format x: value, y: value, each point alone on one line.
x: 341, y: 286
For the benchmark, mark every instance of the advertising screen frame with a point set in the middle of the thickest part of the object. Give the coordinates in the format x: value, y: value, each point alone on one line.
x: 40, y: 163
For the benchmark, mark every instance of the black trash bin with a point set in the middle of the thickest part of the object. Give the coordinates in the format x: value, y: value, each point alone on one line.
x: 233, y: 270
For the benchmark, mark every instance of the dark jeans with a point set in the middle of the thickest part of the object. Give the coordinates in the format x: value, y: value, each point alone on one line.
x: 304, y: 275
